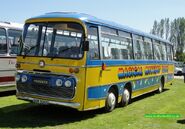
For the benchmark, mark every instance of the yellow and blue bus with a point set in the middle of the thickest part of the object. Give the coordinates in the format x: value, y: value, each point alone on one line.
x: 80, y: 61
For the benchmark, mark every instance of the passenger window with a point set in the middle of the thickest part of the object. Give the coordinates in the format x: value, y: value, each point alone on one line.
x: 93, y: 52
x: 138, y: 47
x: 157, y: 50
x: 116, y: 44
x: 126, y: 45
x: 13, y: 36
x: 163, y: 52
x: 169, y: 52
x: 3, y: 43
x: 147, y: 44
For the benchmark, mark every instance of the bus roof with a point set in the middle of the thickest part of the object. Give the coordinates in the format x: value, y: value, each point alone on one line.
x: 91, y: 19
x: 11, y: 25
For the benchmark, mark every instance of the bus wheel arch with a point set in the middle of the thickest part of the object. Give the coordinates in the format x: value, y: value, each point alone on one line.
x: 111, y: 99
x: 161, y: 86
x: 126, y: 95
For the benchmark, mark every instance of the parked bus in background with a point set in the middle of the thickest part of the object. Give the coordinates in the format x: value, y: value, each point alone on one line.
x: 9, y: 47
x: 83, y: 62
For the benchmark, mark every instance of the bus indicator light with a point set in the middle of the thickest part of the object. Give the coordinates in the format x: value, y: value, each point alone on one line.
x: 71, y: 70
x: 104, y: 66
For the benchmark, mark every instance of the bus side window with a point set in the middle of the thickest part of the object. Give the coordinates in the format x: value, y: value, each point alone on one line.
x: 3, y: 43
x: 126, y: 45
x: 93, y: 52
x: 138, y: 47
x: 164, y: 55
x: 169, y: 52
x: 157, y: 50
x: 147, y: 44
x: 13, y: 37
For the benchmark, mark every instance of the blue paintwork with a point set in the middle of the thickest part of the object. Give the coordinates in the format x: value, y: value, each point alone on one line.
x: 91, y: 19
x: 51, y: 79
x: 144, y: 83
x: 100, y: 92
x: 125, y: 62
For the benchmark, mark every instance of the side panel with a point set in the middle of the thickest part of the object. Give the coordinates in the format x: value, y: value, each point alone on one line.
x: 144, y: 78
x: 7, y: 73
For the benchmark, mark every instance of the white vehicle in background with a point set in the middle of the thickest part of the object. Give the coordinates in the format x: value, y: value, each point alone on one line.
x: 178, y: 68
x: 9, y: 48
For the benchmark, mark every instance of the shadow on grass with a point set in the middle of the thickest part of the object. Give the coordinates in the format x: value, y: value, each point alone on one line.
x: 7, y: 93
x: 181, y: 121
x: 32, y: 115
x: 147, y: 95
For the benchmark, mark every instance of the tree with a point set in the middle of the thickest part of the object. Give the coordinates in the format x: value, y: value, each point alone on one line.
x: 173, y: 31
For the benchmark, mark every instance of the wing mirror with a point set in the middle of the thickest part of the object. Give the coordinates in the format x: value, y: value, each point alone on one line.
x: 85, y: 46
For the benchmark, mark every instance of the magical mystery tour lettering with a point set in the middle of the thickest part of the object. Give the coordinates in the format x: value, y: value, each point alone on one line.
x: 136, y: 71
x: 130, y: 72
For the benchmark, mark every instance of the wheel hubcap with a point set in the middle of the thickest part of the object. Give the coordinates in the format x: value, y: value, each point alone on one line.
x: 126, y: 95
x: 160, y: 88
x: 111, y: 100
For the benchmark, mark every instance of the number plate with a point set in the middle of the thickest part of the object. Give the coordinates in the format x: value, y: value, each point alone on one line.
x: 40, y: 101
x: 40, y: 82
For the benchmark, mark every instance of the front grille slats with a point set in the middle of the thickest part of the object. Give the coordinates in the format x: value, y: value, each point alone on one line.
x: 45, y: 90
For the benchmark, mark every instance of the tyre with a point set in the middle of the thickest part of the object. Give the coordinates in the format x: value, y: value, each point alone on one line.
x: 110, y: 103
x: 126, y: 97
x: 161, y: 86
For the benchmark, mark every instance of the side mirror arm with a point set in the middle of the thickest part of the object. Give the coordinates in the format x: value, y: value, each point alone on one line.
x: 85, y: 46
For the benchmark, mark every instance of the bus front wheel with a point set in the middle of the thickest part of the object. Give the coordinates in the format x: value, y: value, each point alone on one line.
x: 125, y: 97
x: 110, y: 103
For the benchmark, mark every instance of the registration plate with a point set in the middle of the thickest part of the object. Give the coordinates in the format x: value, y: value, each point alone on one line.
x: 40, y: 81
x: 44, y: 102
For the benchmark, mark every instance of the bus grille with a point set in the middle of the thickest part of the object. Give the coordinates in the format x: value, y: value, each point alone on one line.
x: 57, y: 92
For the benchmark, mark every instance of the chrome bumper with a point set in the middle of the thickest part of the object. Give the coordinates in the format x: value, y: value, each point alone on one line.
x: 40, y: 101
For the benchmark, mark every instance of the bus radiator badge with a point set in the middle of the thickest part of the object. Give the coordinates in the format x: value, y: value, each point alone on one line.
x: 41, y: 63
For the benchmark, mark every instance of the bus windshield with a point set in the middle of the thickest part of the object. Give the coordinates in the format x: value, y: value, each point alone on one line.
x: 63, y: 40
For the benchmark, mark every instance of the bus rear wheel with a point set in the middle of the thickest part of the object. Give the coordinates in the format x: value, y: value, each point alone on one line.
x: 161, y: 86
x: 110, y: 103
x: 125, y: 97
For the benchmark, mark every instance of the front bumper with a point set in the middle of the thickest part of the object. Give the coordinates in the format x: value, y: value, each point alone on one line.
x: 43, y: 100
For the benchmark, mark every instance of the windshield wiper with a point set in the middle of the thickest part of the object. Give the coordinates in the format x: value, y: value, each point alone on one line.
x: 56, y: 55
x: 29, y: 49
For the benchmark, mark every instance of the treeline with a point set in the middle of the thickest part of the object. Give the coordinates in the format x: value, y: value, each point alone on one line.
x: 174, y: 31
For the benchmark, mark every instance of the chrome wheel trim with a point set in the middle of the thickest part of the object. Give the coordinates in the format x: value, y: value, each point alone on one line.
x: 111, y: 100
x: 160, y: 87
x: 126, y: 96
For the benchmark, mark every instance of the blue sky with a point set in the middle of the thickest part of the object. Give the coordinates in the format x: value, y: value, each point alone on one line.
x: 138, y: 14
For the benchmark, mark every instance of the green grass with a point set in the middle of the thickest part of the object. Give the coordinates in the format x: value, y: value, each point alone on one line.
x: 20, y: 114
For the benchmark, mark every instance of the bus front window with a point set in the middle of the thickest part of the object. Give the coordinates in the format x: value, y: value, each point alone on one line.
x: 54, y: 40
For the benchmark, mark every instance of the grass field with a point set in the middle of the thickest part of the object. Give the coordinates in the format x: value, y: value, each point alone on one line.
x: 20, y: 114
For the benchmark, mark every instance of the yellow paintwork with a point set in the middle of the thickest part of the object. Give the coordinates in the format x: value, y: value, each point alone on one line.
x: 87, y: 76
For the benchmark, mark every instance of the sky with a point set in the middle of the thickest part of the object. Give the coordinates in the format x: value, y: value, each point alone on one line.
x: 138, y: 14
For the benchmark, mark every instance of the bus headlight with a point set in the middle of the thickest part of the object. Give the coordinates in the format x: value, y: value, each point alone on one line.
x: 18, y: 77
x: 59, y: 82
x: 68, y: 83
x: 24, y: 78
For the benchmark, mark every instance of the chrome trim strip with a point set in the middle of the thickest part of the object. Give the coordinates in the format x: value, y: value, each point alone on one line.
x: 58, y: 65
x: 67, y: 104
x: 92, y: 108
x: 46, y: 73
x: 144, y: 93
